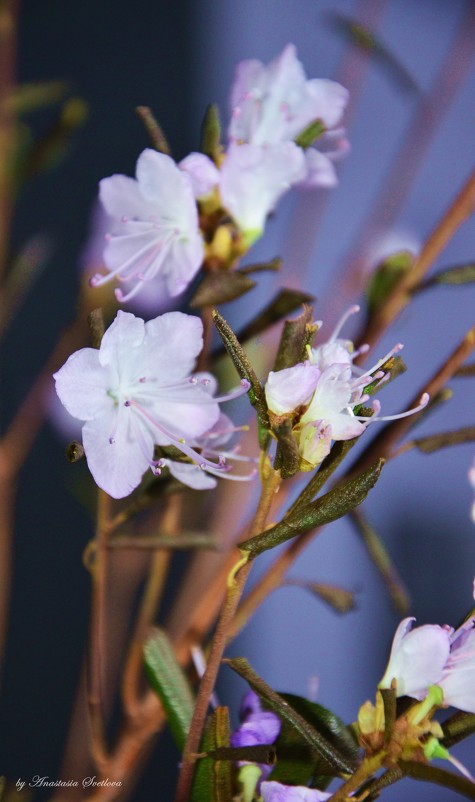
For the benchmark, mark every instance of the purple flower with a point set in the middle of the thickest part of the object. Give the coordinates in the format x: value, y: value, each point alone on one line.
x: 136, y: 391
x: 275, y: 103
x: 258, y: 727
x: 417, y: 658
x: 458, y: 677
x: 276, y: 792
x: 155, y: 227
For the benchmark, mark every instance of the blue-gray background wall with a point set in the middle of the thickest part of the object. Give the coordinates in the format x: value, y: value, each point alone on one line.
x: 177, y: 57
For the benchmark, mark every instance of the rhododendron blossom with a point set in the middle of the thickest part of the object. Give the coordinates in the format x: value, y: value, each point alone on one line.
x: 155, y: 228
x: 275, y: 103
x: 135, y: 392
x: 320, y: 396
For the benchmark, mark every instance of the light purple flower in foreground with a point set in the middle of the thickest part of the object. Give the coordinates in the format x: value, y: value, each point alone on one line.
x: 417, y: 658
x: 136, y: 391
x: 434, y: 655
x: 320, y: 396
x: 155, y: 227
x: 458, y: 677
x: 274, y: 103
x: 258, y: 727
x: 276, y: 792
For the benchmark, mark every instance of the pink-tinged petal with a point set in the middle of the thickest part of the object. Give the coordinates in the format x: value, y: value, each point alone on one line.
x: 314, y: 442
x: 253, y: 179
x: 172, y: 344
x: 124, y: 335
x: 458, y: 681
x: 333, y: 352
x: 276, y: 792
x: 118, y: 449
x: 191, y: 475
x: 82, y: 385
x: 290, y: 388
x: 186, y: 413
x: 320, y: 170
x: 121, y: 198
x: 203, y: 173
x: 328, y: 100
x: 332, y: 395
x: 417, y: 658
x: 184, y: 259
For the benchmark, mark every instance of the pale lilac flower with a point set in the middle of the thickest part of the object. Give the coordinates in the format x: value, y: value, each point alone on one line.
x: 321, y: 394
x: 253, y: 179
x: 135, y: 392
x: 276, y: 792
x: 203, y: 173
x: 258, y: 727
x: 458, y: 678
x: 275, y: 103
x: 155, y: 231
x: 417, y: 658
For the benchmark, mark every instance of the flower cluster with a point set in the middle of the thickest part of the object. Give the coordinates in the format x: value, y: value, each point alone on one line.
x: 136, y: 392
x: 432, y: 655
x: 167, y: 221
x: 320, y: 396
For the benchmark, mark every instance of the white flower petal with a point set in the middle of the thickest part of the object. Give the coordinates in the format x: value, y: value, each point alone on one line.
x: 191, y: 475
x: 417, y: 658
x: 320, y: 170
x: 125, y: 334
x: 203, y: 173
x: 82, y: 384
x: 290, y: 388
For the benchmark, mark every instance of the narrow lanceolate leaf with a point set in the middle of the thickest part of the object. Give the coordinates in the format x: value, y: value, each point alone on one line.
x: 461, y: 274
x: 272, y: 266
x: 431, y: 774
x: 296, y: 335
x: 170, y: 684
x: 333, y: 505
x: 95, y: 321
x: 457, y: 727
x: 339, y: 599
x: 338, y: 452
x: 220, y: 288
x: 381, y: 559
x: 213, y: 779
x: 385, y: 278
x: 243, y: 367
x: 203, y: 784
x: 211, y: 132
x: 445, y: 439
x: 308, y: 136
x: 154, y: 130
x: 333, y: 756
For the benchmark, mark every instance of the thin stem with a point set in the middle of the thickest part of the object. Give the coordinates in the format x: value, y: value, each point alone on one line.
x: 9, y: 12
x: 369, y: 766
x: 97, y: 633
x: 236, y: 583
x: 148, y: 609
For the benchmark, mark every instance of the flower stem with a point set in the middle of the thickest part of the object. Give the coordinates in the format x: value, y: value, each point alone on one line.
x: 369, y: 766
x: 270, y: 483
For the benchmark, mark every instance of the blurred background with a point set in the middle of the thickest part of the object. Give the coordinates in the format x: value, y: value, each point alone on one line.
x: 410, y: 123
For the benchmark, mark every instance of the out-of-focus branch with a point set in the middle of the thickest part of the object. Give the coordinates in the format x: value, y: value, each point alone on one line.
x: 9, y: 10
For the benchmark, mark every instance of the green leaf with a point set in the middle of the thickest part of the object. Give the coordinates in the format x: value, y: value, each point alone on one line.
x: 457, y: 727
x: 339, y: 599
x: 170, y: 684
x: 338, y: 452
x: 54, y: 145
x: 385, y: 278
x: 203, y: 784
x: 273, y: 265
x: 336, y: 760
x: 211, y: 132
x: 154, y: 130
x: 381, y: 559
x: 244, y: 368
x: 296, y: 335
x: 307, y: 137
x: 445, y: 439
x: 333, y: 505
x: 455, y: 276
x: 466, y: 371
x: 327, y: 723
x: 420, y: 771
x: 221, y: 287
x: 213, y: 778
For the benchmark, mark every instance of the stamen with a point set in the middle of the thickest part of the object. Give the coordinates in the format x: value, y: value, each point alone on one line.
x: 236, y: 393
x: 353, y: 310
x: 422, y: 404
